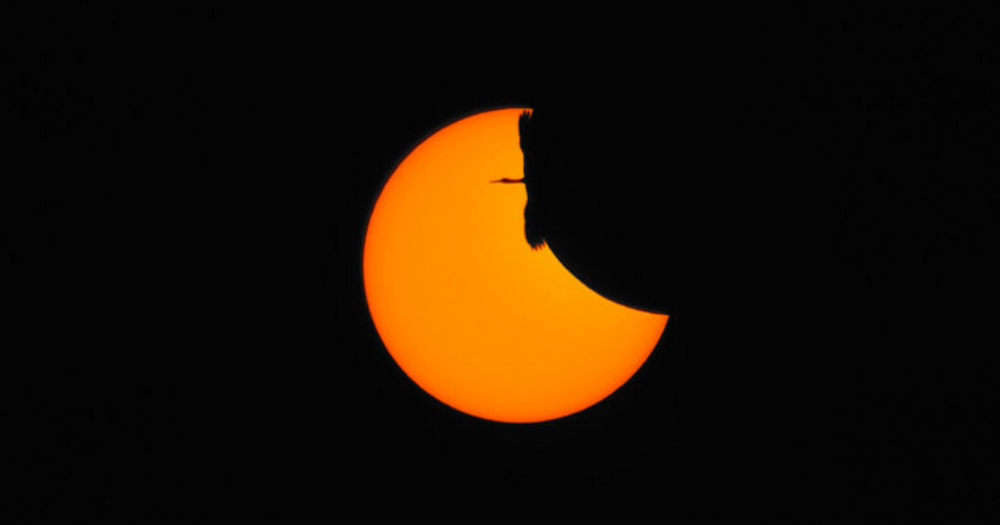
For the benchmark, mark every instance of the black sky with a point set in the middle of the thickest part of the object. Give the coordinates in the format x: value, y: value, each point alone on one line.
x: 188, y: 333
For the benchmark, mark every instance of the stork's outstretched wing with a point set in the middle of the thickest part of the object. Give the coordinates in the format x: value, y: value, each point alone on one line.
x: 533, y: 224
x: 524, y: 129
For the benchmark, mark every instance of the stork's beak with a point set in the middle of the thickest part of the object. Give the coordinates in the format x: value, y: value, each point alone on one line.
x: 505, y: 180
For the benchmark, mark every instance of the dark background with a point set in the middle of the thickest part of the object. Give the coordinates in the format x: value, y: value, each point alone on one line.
x: 185, y: 199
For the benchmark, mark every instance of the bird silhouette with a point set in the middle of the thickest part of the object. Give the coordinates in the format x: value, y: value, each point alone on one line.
x: 536, y: 187
x: 595, y: 197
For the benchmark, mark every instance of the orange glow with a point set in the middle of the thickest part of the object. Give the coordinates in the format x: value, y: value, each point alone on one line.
x: 466, y: 308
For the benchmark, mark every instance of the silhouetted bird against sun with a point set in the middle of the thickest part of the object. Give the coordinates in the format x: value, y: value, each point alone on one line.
x: 593, y: 198
x: 536, y: 187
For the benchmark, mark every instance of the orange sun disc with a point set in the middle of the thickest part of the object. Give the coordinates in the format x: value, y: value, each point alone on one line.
x: 467, y: 309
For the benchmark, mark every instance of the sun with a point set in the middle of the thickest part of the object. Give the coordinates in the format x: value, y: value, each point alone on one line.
x: 467, y: 309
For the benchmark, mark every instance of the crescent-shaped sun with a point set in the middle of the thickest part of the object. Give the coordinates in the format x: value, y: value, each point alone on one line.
x: 467, y: 309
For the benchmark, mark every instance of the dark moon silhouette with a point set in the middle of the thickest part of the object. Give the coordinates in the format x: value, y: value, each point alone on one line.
x: 816, y: 212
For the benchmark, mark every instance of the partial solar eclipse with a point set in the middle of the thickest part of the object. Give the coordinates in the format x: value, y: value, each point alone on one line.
x: 467, y: 309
